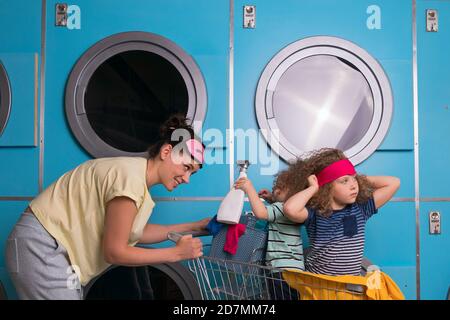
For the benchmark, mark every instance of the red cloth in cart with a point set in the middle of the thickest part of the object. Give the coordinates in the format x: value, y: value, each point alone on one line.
x: 232, y: 237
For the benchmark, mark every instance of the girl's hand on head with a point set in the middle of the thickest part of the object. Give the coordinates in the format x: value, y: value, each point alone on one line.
x: 244, y: 184
x: 313, y: 182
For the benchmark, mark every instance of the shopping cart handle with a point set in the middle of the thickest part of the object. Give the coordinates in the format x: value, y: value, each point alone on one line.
x: 175, y: 236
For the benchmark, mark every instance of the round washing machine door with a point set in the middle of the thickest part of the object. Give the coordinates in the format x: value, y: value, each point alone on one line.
x: 324, y: 92
x: 3, y: 295
x: 5, y: 98
x: 170, y: 281
x: 123, y: 88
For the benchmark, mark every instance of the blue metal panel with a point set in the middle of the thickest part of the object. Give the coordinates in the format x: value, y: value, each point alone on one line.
x: 20, y: 23
x: 18, y: 172
x: 20, y: 34
x: 393, y: 163
x: 401, y: 133
x: 170, y: 212
x: 390, y: 235
x: 20, y: 26
x: 201, y: 29
x: 9, y: 214
x: 390, y: 244
x: 21, y: 129
x: 434, y: 253
x: 434, y: 101
x: 434, y: 146
x: 405, y: 278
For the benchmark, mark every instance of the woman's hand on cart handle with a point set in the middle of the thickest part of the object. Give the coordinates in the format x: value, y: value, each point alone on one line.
x: 175, y: 236
x: 188, y: 247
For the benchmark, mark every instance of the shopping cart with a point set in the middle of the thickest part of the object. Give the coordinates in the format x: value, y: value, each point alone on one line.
x: 222, y: 279
x: 231, y: 280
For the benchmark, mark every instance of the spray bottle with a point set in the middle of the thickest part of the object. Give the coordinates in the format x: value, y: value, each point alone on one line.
x: 230, y: 209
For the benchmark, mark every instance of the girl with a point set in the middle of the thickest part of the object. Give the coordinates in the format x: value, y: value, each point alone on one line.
x: 335, y: 208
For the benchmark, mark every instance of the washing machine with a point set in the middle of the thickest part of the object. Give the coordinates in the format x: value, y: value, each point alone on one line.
x: 334, y: 74
x: 5, y: 98
x: 20, y: 53
x: 115, y: 71
x: 19, y: 94
x: 104, y: 75
x: 434, y: 122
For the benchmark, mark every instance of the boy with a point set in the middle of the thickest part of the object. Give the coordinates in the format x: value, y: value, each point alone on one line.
x: 284, y: 246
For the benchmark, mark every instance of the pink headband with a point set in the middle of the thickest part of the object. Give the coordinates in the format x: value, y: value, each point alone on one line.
x: 335, y: 170
x: 196, y: 149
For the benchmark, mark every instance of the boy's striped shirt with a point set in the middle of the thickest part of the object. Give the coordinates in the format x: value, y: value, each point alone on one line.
x: 284, y: 244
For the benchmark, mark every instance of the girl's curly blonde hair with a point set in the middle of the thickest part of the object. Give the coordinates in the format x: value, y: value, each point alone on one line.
x: 293, y: 178
x: 318, y: 160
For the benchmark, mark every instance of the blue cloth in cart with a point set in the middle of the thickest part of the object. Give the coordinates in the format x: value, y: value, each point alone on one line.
x: 214, y: 226
x: 251, y: 245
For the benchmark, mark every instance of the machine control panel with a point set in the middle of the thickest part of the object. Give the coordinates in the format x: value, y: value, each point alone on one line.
x: 249, y: 17
x: 432, y: 20
x: 61, y: 14
x: 435, y: 222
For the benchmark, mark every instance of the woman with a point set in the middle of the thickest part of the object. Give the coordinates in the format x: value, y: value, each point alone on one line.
x: 93, y: 216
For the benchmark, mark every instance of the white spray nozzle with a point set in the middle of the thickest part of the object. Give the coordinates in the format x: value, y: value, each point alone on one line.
x: 244, y: 164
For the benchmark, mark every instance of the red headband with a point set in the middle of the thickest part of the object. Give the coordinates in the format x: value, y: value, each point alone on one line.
x: 334, y: 171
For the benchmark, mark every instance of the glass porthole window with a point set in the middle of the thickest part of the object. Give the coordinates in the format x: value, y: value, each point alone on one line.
x: 125, y: 86
x: 324, y: 92
x: 5, y: 98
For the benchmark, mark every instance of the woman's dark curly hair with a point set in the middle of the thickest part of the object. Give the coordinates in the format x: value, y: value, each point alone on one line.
x: 293, y: 178
x: 165, y: 135
x: 318, y: 160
